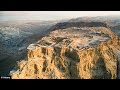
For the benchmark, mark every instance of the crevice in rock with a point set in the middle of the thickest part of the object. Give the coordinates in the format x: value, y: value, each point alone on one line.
x: 44, y: 66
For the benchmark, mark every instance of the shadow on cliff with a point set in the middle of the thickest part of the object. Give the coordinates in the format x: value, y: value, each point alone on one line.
x: 10, y: 62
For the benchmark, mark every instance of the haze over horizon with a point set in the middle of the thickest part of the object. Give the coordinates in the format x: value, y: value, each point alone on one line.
x: 51, y: 15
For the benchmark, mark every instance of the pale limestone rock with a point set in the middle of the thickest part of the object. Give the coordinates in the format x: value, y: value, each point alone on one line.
x: 73, y: 53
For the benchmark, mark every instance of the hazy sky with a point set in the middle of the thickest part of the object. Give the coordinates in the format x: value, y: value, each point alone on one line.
x: 51, y: 15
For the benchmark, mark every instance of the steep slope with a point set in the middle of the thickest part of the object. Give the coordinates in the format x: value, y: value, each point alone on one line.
x: 78, y: 52
x: 116, y: 29
x: 15, y: 37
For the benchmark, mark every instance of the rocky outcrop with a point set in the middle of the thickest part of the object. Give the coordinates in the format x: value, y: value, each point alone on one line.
x: 72, y: 53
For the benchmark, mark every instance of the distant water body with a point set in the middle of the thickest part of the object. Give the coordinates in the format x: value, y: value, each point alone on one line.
x: 13, y: 18
x: 9, y: 18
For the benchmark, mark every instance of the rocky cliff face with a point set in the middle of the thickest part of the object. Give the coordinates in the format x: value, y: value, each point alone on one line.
x: 73, y: 53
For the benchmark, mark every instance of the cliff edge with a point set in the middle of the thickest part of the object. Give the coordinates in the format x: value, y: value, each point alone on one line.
x: 72, y: 53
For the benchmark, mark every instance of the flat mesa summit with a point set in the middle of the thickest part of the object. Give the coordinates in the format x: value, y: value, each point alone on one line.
x: 76, y: 38
x: 72, y: 53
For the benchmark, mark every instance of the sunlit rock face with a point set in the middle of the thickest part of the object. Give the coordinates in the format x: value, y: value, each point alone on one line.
x: 77, y: 52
